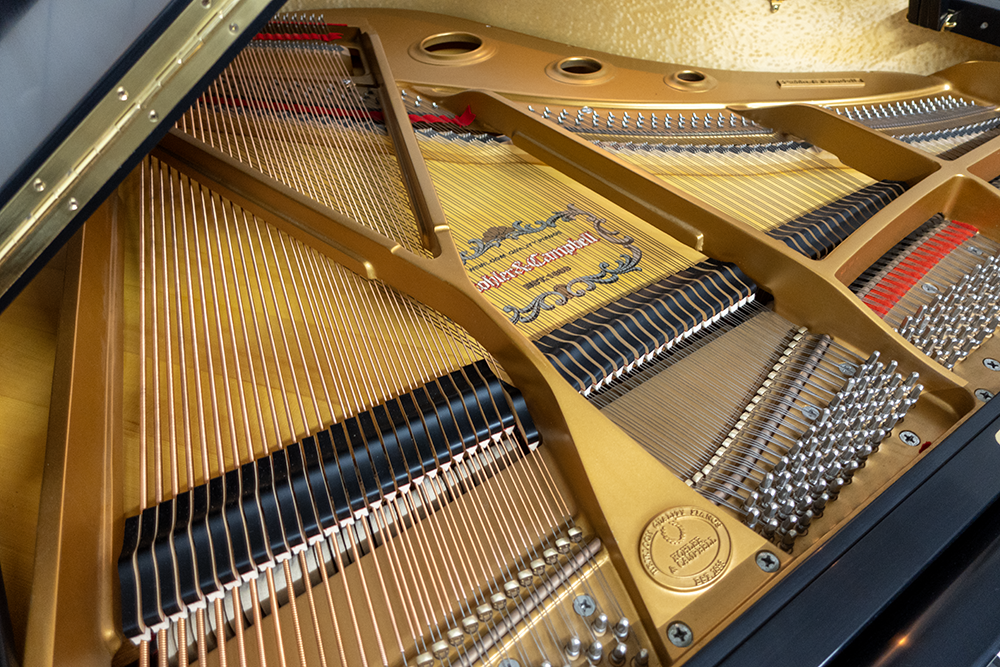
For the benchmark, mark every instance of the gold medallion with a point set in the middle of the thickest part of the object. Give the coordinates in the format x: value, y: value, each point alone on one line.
x: 685, y: 548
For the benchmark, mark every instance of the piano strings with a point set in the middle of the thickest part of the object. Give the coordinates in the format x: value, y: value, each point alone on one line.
x: 790, y: 190
x: 938, y: 288
x: 364, y: 467
x: 943, y: 125
x: 756, y: 414
x: 292, y: 111
x: 502, y: 205
x: 423, y: 515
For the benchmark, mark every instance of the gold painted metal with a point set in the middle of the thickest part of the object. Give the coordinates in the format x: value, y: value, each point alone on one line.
x: 580, y: 71
x: 116, y: 126
x: 840, y: 82
x: 638, y: 84
x: 452, y: 49
x: 628, y: 499
x: 797, y: 282
x: 73, y: 615
x: 685, y: 549
x: 691, y: 81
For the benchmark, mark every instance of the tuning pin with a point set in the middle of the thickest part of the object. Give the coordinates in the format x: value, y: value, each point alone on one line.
x: 618, y: 654
x: 595, y: 652
x: 621, y: 628
x: 600, y: 624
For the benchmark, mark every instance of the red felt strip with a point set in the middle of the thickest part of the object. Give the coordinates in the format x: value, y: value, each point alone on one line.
x: 462, y: 121
x: 883, y: 296
x: 297, y: 37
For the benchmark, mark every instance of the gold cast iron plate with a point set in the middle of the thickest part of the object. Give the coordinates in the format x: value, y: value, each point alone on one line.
x: 685, y: 548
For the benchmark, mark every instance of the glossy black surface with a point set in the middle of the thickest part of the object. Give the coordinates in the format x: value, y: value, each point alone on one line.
x: 978, y: 19
x: 57, y: 57
x: 949, y: 614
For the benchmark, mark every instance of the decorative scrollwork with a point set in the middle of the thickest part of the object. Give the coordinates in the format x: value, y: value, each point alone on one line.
x: 559, y: 295
x: 494, y: 236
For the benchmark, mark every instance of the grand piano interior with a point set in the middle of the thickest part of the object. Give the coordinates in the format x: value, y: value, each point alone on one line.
x: 469, y: 347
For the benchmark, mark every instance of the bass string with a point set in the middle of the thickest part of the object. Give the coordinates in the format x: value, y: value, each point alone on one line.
x: 225, y: 324
x: 297, y: 146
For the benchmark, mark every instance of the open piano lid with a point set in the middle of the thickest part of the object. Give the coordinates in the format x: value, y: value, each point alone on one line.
x: 91, y: 87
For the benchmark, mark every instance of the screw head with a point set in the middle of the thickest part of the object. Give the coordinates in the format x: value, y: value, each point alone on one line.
x: 680, y: 634
x: 767, y: 561
x: 234, y: 27
x: 991, y: 364
x: 122, y: 94
x: 909, y: 438
x: 73, y: 204
x: 39, y: 185
x: 206, y: 3
x: 984, y: 394
x: 153, y: 116
x: 584, y: 605
x: 929, y: 288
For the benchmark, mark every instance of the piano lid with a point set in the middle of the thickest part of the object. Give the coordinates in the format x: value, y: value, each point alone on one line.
x: 90, y: 88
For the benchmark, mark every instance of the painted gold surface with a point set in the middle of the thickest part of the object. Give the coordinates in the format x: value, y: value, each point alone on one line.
x: 28, y: 329
x: 685, y: 549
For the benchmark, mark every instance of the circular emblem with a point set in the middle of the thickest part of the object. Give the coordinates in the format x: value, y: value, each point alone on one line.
x: 685, y: 548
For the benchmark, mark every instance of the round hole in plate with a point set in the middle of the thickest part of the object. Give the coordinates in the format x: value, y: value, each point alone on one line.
x: 690, y: 76
x: 452, y: 44
x: 581, y: 66
x: 452, y: 48
x: 690, y: 81
x: 580, y: 70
